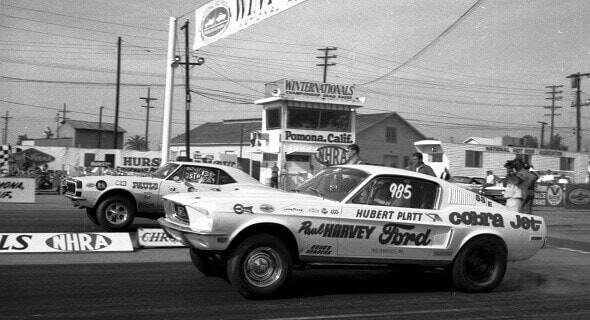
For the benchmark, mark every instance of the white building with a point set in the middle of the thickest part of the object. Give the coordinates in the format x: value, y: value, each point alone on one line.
x: 471, y: 159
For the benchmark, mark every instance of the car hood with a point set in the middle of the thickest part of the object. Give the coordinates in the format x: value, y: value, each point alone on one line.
x: 262, y: 198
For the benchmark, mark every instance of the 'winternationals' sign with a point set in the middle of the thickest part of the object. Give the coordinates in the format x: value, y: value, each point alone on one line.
x: 221, y: 18
x: 288, y: 88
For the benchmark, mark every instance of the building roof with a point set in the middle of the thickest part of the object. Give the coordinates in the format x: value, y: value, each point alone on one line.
x: 220, y: 133
x: 88, y: 125
x: 487, y: 141
x: 229, y: 131
x: 365, y: 121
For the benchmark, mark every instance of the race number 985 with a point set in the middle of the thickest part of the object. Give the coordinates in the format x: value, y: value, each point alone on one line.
x: 400, y: 191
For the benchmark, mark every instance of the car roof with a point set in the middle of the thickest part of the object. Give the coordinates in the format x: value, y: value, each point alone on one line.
x: 234, y: 172
x: 379, y: 170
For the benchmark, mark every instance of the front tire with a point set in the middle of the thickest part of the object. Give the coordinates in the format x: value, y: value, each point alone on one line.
x: 115, y: 213
x: 259, y: 266
x: 480, y: 265
x: 207, y: 263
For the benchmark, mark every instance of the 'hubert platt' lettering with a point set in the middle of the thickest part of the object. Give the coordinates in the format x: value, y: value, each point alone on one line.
x: 391, y: 234
x: 329, y: 230
x: 374, y: 214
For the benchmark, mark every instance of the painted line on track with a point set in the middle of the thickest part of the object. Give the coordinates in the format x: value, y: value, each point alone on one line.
x: 390, y: 314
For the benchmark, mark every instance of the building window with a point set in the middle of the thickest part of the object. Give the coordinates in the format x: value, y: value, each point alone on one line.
x: 436, y: 157
x: 566, y: 164
x: 313, y: 119
x: 391, y: 135
x: 473, y: 159
x: 273, y: 118
x: 406, y: 161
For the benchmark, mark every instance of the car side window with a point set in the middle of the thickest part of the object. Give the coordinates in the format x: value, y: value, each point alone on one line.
x: 398, y: 191
x: 225, y: 178
x: 178, y: 174
x: 198, y: 174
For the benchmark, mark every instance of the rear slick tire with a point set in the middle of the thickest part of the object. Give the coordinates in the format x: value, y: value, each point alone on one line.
x: 480, y: 265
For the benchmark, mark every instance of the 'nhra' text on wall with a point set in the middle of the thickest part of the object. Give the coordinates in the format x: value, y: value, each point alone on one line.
x: 64, y: 242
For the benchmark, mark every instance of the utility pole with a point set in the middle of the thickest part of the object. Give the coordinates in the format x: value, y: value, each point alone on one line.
x: 543, y: 123
x: 171, y: 62
x: 325, y: 57
x: 187, y: 88
x: 576, y: 83
x: 100, y: 126
x: 553, y: 98
x: 187, y: 64
x: 5, y: 131
x: 63, y: 114
x: 147, y: 116
x: 116, y: 129
x: 57, y: 123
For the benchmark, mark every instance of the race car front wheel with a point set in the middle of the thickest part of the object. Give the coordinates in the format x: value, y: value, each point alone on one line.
x: 480, y: 265
x: 115, y: 213
x: 207, y: 263
x: 259, y: 266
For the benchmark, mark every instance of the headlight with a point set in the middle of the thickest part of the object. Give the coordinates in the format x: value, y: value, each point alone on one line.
x: 200, y: 219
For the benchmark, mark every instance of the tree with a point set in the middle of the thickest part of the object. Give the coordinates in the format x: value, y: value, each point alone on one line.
x: 529, y: 141
x: 555, y: 143
x: 136, y: 142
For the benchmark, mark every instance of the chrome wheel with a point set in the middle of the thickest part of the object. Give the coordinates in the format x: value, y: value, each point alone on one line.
x: 116, y: 213
x: 263, y: 267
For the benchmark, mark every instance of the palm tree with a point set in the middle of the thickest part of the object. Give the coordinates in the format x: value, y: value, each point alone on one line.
x: 136, y: 142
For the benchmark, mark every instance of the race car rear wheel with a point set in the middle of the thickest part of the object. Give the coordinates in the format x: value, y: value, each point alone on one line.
x: 480, y: 265
x: 115, y: 213
x: 207, y: 263
x: 91, y: 214
x: 259, y: 266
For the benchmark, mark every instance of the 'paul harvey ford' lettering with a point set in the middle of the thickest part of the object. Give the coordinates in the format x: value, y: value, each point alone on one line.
x: 329, y: 230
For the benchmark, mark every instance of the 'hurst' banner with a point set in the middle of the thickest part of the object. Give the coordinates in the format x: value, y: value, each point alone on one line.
x: 221, y: 18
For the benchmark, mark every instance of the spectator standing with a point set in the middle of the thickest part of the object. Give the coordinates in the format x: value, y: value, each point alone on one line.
x: 353, y: 155
x: 274, y: 176
x: 527, y: 205
x: 445, y: 175
x: 420, y: 166
x: 490, y: 179
x: 513, y: 192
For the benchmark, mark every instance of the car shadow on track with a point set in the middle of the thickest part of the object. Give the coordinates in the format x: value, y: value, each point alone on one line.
x: 327, y: 282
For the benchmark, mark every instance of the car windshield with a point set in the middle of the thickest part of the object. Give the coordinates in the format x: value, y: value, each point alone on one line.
x: 165, y: 170
x: 333, y: 183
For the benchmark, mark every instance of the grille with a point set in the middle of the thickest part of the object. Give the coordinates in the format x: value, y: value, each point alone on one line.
x: 71, y: 187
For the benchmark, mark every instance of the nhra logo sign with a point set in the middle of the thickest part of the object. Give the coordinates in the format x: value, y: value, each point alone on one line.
x: 331, y: 155
x: 78, y: 242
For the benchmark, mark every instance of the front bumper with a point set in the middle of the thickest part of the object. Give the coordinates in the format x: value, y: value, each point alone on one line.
x: 201, y: 240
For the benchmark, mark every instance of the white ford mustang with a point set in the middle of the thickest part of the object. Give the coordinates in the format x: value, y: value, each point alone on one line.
x: 351, y: 214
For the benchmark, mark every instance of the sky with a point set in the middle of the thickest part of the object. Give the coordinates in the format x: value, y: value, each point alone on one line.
x: 454, y: 69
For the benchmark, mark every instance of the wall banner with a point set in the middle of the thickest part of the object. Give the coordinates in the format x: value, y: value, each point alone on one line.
x: 64, y: 242
x: 551, y: 195
x: 577, y: 196
x: 17, y: 190
x: 155, y: 238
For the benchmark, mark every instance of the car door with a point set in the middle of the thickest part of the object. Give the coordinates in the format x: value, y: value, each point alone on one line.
x: 400, y: 215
